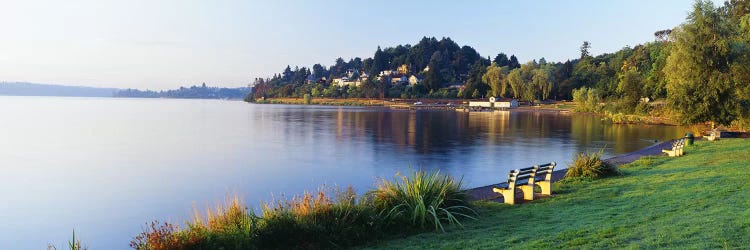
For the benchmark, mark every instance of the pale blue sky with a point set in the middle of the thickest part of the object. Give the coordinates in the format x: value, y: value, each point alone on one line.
x: 165, y: 44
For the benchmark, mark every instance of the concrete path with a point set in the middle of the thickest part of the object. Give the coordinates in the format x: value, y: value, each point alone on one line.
x: 485, y: 192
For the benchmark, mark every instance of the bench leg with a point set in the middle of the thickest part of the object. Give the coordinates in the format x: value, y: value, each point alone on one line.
x: 528, y: 192
x: 509, y: 196
x: 546, y: 187
x: 670, y: 153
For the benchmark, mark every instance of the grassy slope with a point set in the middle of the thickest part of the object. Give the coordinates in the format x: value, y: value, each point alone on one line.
x: 700, y: 200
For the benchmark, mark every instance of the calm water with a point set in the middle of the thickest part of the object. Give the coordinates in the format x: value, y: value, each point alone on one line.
x: 105, y: 167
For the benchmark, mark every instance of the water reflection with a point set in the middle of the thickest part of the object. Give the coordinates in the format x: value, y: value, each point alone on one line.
x: 432, y: 132
x: 478, y: 146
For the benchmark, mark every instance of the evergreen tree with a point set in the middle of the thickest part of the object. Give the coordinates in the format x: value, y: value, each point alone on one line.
x: 585, y: 47
x: 288, y: 73
x: 513, y: 64
x: 380, y: 62
x: 319, y: 71
x: 432, y: 79
x: 474, y: 80
x: 501, y: 60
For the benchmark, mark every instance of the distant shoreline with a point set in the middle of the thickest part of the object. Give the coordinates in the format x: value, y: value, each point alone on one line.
x: 556, y: 107
x: 122, y: 97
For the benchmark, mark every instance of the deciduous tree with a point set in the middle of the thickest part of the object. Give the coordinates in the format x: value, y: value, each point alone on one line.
x: 496, y: 78
x: 699, y: 83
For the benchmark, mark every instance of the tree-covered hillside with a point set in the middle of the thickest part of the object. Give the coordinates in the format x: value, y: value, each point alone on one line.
x: 701, y: 69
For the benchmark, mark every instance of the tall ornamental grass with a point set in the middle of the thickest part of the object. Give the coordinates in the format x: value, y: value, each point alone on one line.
x: 422, y: 200
x: 590, y: 165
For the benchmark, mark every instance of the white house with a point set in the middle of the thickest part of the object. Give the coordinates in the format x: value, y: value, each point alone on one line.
x: 388, y: 72
x: 345, y: 81
x: 340, y: 81
x: 495, y: 102
x: 399, y: 80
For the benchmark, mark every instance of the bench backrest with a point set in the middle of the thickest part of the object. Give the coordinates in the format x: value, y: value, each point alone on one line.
x: 678, y: 144
x: 529, y: 175
x: 545, y: 171
x: 518, y: 176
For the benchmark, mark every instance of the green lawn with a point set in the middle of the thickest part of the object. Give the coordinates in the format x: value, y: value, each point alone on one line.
x: 699, y: 200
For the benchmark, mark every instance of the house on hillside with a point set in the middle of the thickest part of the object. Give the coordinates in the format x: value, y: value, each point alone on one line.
x: 341, y: 82
x: 346, y: 81
x: 399, y: 80
x: 385, y: 73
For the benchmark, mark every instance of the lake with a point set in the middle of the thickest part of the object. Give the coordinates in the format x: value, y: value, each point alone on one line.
x: 107, y: 166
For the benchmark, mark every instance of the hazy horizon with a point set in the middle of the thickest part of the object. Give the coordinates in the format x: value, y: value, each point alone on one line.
x: 167, y: 44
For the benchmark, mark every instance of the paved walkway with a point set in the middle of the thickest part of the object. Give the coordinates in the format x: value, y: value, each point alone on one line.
x: 485, y: 192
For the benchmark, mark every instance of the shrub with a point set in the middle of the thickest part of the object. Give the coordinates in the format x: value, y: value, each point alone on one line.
x: 421, y: 200
x: 620, y: 118
x: 590, y: 165
x: 643, y: 108
x: 307, y: 98
x: 587, y: 100
x: 157, y: 236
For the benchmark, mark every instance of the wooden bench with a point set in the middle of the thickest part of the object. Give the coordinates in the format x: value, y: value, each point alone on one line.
x: 543, y: 177
x: 677, y: 148
x: 711, y: 136
x: 524, y: 180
